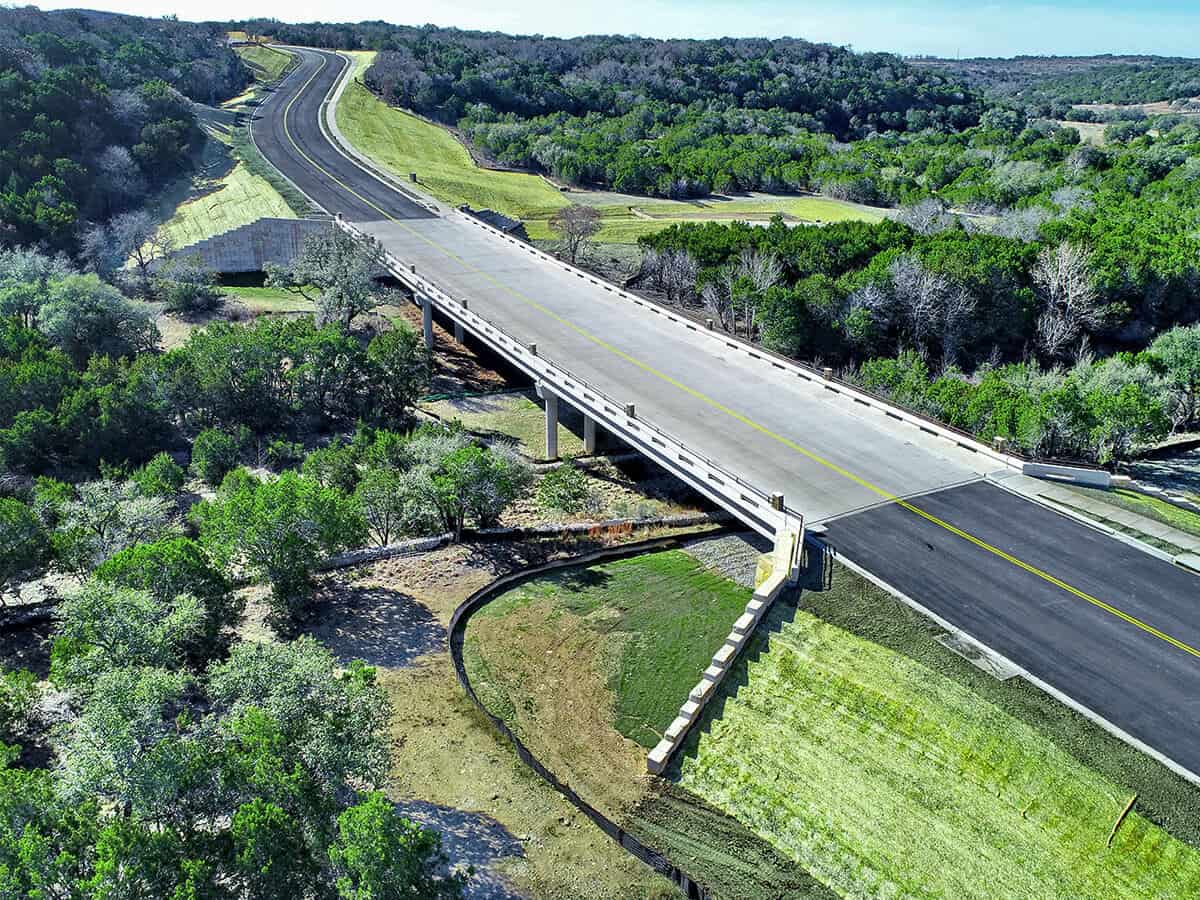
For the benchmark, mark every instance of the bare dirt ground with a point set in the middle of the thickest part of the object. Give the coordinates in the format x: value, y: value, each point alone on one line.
x: 450, y: 768
x: 459, y: 368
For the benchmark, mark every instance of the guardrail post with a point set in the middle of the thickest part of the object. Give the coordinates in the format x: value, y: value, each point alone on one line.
x: 777, y: 500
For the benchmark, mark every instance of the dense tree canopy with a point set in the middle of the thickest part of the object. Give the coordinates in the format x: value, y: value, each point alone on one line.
x: 96, y: 109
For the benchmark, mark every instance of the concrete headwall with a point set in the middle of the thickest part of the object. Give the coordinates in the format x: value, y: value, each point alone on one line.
x: 1074, y: 474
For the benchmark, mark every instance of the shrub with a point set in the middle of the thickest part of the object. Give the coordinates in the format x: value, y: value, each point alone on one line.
x: 22, y: 541
x: 104, y: 518
x: 564, y: 488
x: 86, y: 317
x: 186, y: 286
x: 400, y: 366
x: 278, y: 530
x: 18, y: 695
x: 284, y: 454
x: 104, y: 626
x: 214, y: 455
x: 335, y: 465
x: 167, y: 568
x: 161, y: 477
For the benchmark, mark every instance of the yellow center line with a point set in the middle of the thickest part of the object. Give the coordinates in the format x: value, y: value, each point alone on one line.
x: 732, y: 413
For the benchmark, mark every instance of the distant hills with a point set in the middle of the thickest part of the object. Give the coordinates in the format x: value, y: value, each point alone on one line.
x: 1069, y: 80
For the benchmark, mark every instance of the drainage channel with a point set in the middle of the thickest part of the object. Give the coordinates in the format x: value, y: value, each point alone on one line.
x: 458, y: 629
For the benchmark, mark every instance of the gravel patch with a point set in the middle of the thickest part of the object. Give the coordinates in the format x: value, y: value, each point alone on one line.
x: 735, y: 556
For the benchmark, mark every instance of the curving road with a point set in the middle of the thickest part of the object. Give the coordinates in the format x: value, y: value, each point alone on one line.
x: 1108, y: 628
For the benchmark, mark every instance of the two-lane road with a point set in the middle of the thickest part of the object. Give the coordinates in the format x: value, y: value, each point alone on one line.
x: 1115, y: 630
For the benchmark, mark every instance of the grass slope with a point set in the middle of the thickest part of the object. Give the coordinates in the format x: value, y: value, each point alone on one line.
x: 883, y: 777
x: 235, y: 198
x: 266, y: 64
x: 405, y: 143
x: 664, y: 616
x: 231, y: 185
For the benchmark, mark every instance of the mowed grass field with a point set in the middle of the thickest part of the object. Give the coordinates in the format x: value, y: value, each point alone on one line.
x: 883, y: 777
x: 405, y: 143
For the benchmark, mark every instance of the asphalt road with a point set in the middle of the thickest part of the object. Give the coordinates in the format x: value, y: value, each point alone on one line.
x: 286, y: 112
x: 1135, y: 679
x: 1113, y: 628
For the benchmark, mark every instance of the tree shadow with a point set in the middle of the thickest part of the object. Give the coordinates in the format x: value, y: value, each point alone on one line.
x: 27, y: 646
x: 504, y: 557
x: 470, y: 839
x: 382, y: 627
x: 1181, y: 472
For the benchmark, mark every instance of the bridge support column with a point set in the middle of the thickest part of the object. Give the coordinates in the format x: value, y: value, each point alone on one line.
x: 551, y: 400
x: 458, y: 332
x: 589, y: 435
x: 426, y: 319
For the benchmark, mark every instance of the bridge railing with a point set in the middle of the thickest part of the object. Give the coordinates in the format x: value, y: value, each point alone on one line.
x: 1006, y: 456
x: 766, y: 513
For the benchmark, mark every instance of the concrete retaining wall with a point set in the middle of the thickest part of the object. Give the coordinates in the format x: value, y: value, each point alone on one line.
x: 1073, y: 474
x: 250, y: 247
x: 780, y: 573
x: 372, y: 554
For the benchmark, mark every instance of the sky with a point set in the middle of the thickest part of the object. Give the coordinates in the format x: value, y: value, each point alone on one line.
x: 937, y: 27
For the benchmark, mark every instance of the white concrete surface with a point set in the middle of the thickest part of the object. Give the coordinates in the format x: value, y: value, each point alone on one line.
x: 827, y: 454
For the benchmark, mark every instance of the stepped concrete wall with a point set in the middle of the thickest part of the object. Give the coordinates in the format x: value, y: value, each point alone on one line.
x: 250, y: 247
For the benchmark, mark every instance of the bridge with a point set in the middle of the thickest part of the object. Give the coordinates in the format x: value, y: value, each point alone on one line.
x: 1110, y: 630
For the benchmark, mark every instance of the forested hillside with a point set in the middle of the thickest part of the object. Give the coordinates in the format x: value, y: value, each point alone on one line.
x: 669, y: 118
x: 96, y: 112
x: 1049, y: 85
